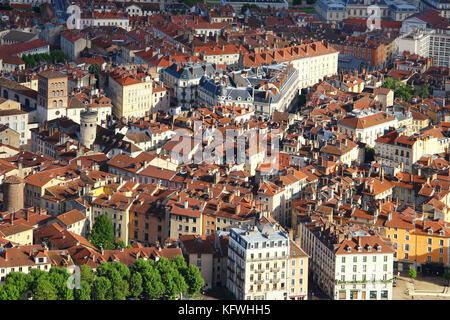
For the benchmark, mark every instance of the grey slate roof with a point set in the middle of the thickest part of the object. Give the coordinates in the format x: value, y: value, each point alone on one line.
x: 19, y: 36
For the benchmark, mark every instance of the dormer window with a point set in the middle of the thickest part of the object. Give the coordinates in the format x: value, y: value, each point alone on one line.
x: 442, y: 233
x: 430, y: 231
x: 379, y: 248
x: 359, y: 249
x: 349, y: 249
x: 369, y: 249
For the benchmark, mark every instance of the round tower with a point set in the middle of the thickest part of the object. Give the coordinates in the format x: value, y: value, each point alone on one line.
x: 13, y: 194
x: 88, y: 127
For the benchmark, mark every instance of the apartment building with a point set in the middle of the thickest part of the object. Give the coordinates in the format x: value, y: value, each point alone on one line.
x: 441, y: 6
x: 74, y: 221
x: 131, y: 96
x: 199, y: 251
x: 366, y: 126
x: 258, y: 263
x: 148, y: 221
x: 417, y: 241
x: 313, y: 61
x: 184, y: 80
x: 297, y: 273
x: 427, y: 32
x: 344, y: 150
x: 394, y: 148
x: 72, y: 43
x: 227, y: 55
x: 372, y: 52
x: 25, y: 258
x: 337, y: 10
x: 184, y: 215
x: 266, y: 89
x: 99, y: 19
x: 117, y: 208
x: 348, y: 263
x: 15, y: 118
x: 274, y: 200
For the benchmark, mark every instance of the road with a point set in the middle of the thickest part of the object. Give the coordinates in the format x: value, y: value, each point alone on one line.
x: 315, y: 293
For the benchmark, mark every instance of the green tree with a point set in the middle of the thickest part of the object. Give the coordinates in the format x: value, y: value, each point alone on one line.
x: 389, y: 83
x: 87, y: 274
x: 94, y: 69
x: 405, y: 93
x: 180, y: 264
x: 136, y: 285
x: 174, y: 283
x: 37, y: 274
x: 101, y: 289
x: 84, y: 292
x: 141, y: 266
x: 45, y: 290
x: 102, y: 233
x: 412, y: 273
x: 58, y: 277
x: 107, y: 269
x: 153, y: 288
x: 58, y: 56
x: 9, y: 292
x: 423, y: 91
x: 122, y: 245
x: 19, y: 280
x: 31, y: 61
x: 119, y: 287
x: 194, y: 279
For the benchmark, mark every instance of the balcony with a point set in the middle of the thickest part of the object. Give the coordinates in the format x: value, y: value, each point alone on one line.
x: 259, y: 281
x: 275, y: 269
x: 259, y: 270
x: 276, y: 280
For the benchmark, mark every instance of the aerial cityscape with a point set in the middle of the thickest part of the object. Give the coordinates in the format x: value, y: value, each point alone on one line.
x: 224, y: 150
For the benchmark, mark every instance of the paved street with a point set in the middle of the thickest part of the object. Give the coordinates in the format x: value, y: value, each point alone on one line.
x: 420, y: 283
x: 315, y: 293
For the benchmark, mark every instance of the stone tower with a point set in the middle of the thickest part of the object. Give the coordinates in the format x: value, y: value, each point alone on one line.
x: 13, y: 194
x: 88, y: 127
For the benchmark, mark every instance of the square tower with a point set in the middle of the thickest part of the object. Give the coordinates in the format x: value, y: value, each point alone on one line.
x: 53, y: 89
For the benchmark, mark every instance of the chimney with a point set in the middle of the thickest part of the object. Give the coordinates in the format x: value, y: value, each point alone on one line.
x: 6, y: 255
x: 238, y: 208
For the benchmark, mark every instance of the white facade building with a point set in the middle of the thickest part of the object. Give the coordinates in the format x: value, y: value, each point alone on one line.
x: 258, y: 263
x: 354, y: 265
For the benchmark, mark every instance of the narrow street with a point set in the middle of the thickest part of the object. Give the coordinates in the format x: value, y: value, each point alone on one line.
x: 315, y: 292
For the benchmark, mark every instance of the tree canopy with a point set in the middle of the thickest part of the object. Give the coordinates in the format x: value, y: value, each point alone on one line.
x: 404, y: 91
x: 145, y: 279
x: 102, y: 234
